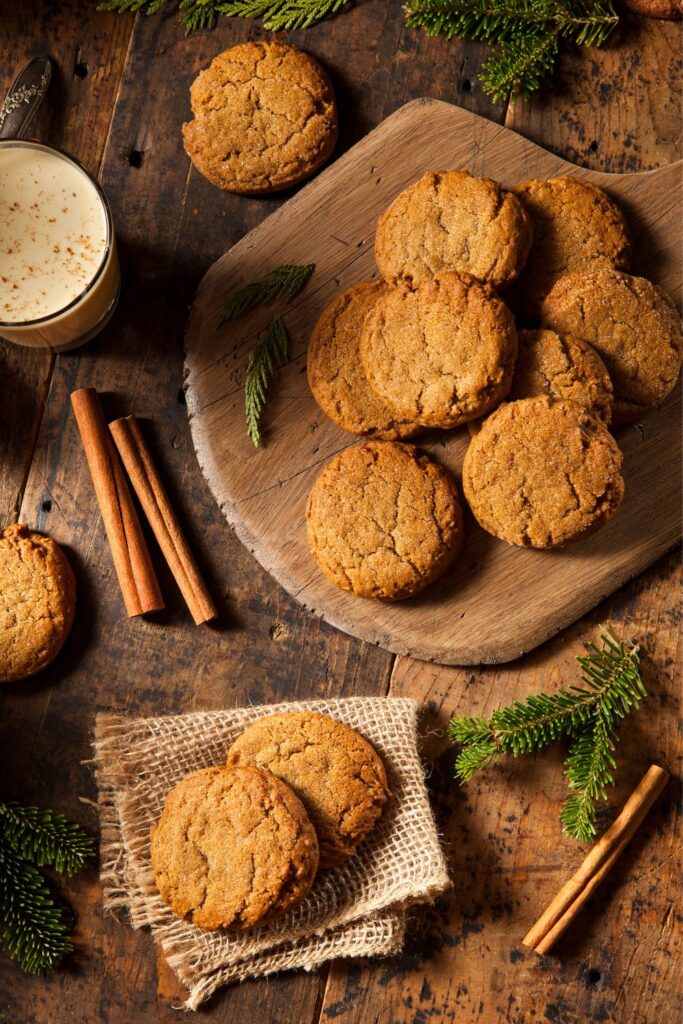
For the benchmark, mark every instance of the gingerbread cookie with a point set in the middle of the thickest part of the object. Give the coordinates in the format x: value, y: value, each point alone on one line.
x: 564, y: 367
x: 336, y: 774
x: 233, y: 847
x: 450, y: 220
x: 541, y: 473
x: 384, y: 520
x: 632, y: 324
x: 576, y: 226
x: 37, y: 602
x: 335, y: 371
x: 265, y: 118
x: 441, y: 353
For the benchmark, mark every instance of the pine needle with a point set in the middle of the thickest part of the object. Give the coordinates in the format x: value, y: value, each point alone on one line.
x: 264, y: 360
x: 525, y: 34
x: 32, y: 928
x: 45, y: 838
x: 286, y: 280
x: 589, y: 714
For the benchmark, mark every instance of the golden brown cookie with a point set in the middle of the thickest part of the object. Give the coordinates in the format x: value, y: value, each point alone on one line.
x: 441, y: 353
x: 632, y: 324
x: 541, y: 473
x: 335, y: 372
x: 384, y: 520
x: 265, y: 118
x: 561, y: 366
x: 670, y: 10
x: 336, y: 774
x: 37, y: 601
x: 576, y: 226
x: 233, y: 847
x: 450, y: 220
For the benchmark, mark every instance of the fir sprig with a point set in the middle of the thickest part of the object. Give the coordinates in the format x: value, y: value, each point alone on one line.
x: 264, y: 360
x: 589, y: 714
x: 32, y: 927
x: 197, y: 14
x: 525, y: 34
x: 284, y: 281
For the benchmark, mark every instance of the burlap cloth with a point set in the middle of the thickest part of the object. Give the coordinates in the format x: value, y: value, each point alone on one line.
x: 356, y: 909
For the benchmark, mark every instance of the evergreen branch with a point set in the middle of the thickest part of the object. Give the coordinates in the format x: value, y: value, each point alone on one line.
x: 32, y: 929
x: 264, y: 359
x: 45, y: 838
x: 522, y: 63
x: 589, y: 771
x: 285, y: 280
x: 590, y: 714
x: 281, y: 15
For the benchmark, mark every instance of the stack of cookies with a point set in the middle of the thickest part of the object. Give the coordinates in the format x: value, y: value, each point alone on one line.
x: 240, y: 844
x: 486, y: 296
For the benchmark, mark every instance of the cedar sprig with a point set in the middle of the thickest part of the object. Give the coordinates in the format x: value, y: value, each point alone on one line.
x: 284, y: 281
x: 264, y: 360
x: 282, y: 15
x: 589, y: 714
x: 525, y: 34
x: 32, y: 928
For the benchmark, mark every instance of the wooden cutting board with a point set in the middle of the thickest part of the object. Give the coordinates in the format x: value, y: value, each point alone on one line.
x: 499, y: 601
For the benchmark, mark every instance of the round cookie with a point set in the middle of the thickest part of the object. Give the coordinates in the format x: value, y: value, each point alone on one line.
x: 336, y: 774
x: 450, y: 220
x: 576, y: 225
x: 562, y: 367
x: 634, y: 327
x: 37, y: 602
x: 541, y: 473
x: 233, y: 847
x: 335, y: 371
x: 384, y: 520
x: 265, y: 118
x: 441, y: 353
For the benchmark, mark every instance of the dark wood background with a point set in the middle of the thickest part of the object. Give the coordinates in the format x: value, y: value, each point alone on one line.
x: 118, y: 98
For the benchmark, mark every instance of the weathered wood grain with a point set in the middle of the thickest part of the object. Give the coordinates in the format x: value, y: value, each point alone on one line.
x: 265, y: 645
x: 465, y: 961
x: 88, y: 49
x: 455, y: 621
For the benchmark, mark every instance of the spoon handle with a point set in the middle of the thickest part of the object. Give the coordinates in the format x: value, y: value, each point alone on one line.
x: 24, y: 98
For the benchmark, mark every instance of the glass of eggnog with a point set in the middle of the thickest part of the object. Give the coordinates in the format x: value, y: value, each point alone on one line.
x: 59, y: 272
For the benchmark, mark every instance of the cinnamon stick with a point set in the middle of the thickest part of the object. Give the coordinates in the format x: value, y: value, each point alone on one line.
x: 155, y: 502
x: 606, y: 851
x: 133, y: 565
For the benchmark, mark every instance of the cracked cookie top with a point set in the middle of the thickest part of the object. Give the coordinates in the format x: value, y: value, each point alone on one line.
x: 232, y: 848
x: 450, y: 220
x: 264, y: 118
x: 541, y: 473
x: 632, y: 324
x: 561, y: 366
x: 576, y: 225
x: 384, y: 520
x: 335, y: 372
x: 337, y: 774
x: 37, y: 601
x: 441, y: 353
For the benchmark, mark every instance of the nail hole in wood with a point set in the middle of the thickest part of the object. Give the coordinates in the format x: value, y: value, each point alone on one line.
x: 466, y: 85
x: 81, y: 70
x: 594, y: 976
x: 135, y: 158
x: 47, y: 505
x: 593, y: 146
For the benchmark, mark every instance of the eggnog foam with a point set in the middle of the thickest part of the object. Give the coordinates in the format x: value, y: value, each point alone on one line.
x: 53, y: 233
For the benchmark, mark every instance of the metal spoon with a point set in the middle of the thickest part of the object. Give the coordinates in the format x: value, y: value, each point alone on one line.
x: 24, y: 97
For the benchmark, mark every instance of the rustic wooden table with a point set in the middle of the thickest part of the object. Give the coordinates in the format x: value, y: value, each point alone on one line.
x: 118, y: 98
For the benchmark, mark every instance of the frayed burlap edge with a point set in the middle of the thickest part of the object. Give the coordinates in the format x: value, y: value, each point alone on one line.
x: 354, y: 910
